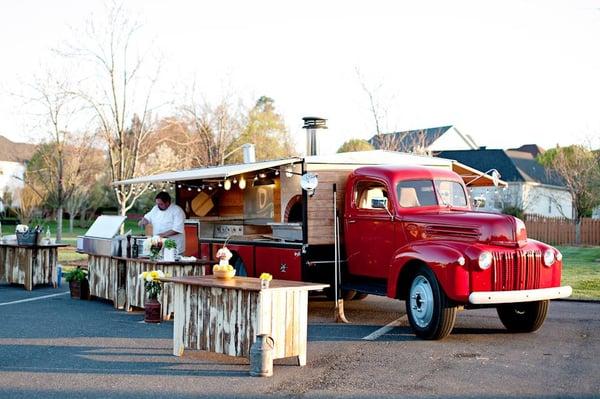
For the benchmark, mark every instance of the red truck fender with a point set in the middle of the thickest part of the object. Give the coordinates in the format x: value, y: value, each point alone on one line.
x: 443, y: 260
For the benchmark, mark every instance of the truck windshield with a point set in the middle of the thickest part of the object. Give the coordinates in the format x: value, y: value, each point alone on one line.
x: 415, y: 193
x: 451, y: 193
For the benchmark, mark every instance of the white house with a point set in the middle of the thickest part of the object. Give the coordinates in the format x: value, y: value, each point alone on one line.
x: 530, y: 186
x: 13, y: 162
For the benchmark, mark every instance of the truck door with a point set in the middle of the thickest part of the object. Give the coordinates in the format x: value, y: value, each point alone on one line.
x: 369, y: 231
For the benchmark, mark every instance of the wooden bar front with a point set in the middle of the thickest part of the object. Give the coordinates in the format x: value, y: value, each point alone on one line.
x: 136, y: 294
x: 225, y: 316
x: 116, y: 279
x: 29, y: 265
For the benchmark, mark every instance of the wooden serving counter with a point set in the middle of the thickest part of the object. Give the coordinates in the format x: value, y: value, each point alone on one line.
x: 225, y: 316
x: 116, y: 279
x: 29, y: 265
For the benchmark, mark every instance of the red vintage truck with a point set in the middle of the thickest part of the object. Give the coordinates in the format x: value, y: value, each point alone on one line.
x: 392, y: 224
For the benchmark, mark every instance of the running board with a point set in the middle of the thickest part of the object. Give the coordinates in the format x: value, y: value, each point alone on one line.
x: 368, y: 287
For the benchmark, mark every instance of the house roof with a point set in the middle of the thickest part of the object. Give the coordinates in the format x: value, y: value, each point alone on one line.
x: 513, y: 165
x: 15, y: 152
x: 406, y: 140
x: 533, y: 149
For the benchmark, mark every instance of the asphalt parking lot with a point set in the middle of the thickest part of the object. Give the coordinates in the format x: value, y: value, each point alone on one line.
x: 52, y: 346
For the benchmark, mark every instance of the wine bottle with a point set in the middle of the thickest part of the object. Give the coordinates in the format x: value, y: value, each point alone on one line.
x: 134, y: 249
x: 128, y: 246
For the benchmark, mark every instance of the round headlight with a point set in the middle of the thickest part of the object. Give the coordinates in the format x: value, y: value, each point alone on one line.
x: 558, y: 256
x: 549, y: 257
x: 485, y: 260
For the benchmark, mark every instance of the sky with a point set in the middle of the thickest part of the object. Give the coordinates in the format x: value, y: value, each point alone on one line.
x: 506, y: 72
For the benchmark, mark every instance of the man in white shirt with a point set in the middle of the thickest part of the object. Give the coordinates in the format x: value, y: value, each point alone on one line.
x: 167, y: 220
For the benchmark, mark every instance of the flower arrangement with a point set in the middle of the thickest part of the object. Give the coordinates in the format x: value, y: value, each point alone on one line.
x: 224, y: 269
x: 152, y: 283
x: 265, y: 278
x: 153, y: 246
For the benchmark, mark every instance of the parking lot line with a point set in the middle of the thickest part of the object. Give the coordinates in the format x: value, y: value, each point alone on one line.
x: 32, y: 299
x: 385, y: 329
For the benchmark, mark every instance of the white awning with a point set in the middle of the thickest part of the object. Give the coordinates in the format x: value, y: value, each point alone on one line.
x: 215, y: 172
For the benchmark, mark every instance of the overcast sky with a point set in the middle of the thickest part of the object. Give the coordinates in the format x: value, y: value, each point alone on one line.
x: 506, y: 72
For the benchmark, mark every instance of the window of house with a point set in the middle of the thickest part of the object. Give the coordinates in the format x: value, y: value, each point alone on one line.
x: 368, y: 190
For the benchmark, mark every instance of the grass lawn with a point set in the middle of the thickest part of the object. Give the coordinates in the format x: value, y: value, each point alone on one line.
x: 581, y: 270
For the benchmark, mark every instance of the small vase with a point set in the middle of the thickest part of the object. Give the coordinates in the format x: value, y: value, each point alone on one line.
x: 169, y: 254
x: 152, y: 311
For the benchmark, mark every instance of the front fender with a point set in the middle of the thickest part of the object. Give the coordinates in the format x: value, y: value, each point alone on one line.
x: 442, y: 259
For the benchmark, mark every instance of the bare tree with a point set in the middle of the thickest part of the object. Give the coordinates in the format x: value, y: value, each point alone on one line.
x: 119, y: 95
x: 211, y: 129
x: 48, y: 167
x: 580, y: 171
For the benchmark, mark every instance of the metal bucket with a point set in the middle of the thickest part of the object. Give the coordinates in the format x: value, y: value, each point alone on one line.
x: 261, y: 356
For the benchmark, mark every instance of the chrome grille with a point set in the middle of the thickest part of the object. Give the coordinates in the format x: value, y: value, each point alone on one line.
x: 517, y: 270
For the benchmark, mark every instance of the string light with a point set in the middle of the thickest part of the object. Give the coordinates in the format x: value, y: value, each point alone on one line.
x: 242, y: 183
x: 227, y: 184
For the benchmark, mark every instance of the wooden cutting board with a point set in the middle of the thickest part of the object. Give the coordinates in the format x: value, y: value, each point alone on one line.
x: 202, y: 204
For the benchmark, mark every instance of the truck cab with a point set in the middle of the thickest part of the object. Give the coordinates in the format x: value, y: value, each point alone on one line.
x: 412, y: 230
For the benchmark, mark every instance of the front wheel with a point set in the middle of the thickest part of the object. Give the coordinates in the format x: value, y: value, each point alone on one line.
x: 430, y: 313
x: 524, y: 316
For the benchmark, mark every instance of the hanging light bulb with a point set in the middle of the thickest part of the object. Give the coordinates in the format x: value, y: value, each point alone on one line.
x: 262, y: 175
x: 220, y: 184
x: 277, y: 172
x: 198, y: 189
x: 255, y: 178
x: 234, y: 180
x: 227, y: 184
x: 179, y: 186
x: 189, y: 189
x: 242, y: 183
x: 288, y: 172
x: 210, y: 188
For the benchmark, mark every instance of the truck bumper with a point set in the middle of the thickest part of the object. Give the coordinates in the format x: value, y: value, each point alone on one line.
x: 497, y: 297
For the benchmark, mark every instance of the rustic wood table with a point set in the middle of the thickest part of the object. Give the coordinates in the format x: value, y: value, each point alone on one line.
x: 116, y: 279
x: 29, y: 265
x: 225, y: 316
x: 135, y: 286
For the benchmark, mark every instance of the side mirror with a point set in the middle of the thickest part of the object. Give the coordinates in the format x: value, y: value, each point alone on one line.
x: 495, y: 177
x: 379, y: 203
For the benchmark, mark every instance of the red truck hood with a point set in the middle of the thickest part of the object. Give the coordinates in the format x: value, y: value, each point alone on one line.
x: 489, y: 228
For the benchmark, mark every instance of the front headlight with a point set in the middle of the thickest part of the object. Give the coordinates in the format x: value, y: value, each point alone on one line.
x: 485, y: 260
x: 549, y: 257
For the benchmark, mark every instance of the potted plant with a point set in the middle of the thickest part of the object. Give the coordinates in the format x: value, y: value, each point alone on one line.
x: 153, y: 246
x: 152, y: 286
x: 78, y: 283
x: 169, y: 246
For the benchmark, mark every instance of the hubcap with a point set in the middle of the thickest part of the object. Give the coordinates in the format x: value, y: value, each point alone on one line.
x: 421, y: 301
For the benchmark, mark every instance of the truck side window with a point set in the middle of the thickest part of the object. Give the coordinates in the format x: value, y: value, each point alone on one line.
x: 415, y: 193
x: 366, y: 191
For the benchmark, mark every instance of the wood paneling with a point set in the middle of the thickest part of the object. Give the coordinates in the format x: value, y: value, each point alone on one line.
x: 106, y: 276
x: 320, y: 206
x: 226, y: 316
x: 28, y: 265
x: 135, y: 286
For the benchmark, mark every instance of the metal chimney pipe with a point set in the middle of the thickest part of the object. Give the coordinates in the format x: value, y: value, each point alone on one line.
x: 249, y: 153
x: 312, y: 124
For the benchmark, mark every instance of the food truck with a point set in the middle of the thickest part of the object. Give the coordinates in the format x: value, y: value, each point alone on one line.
x: 372, y: 222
